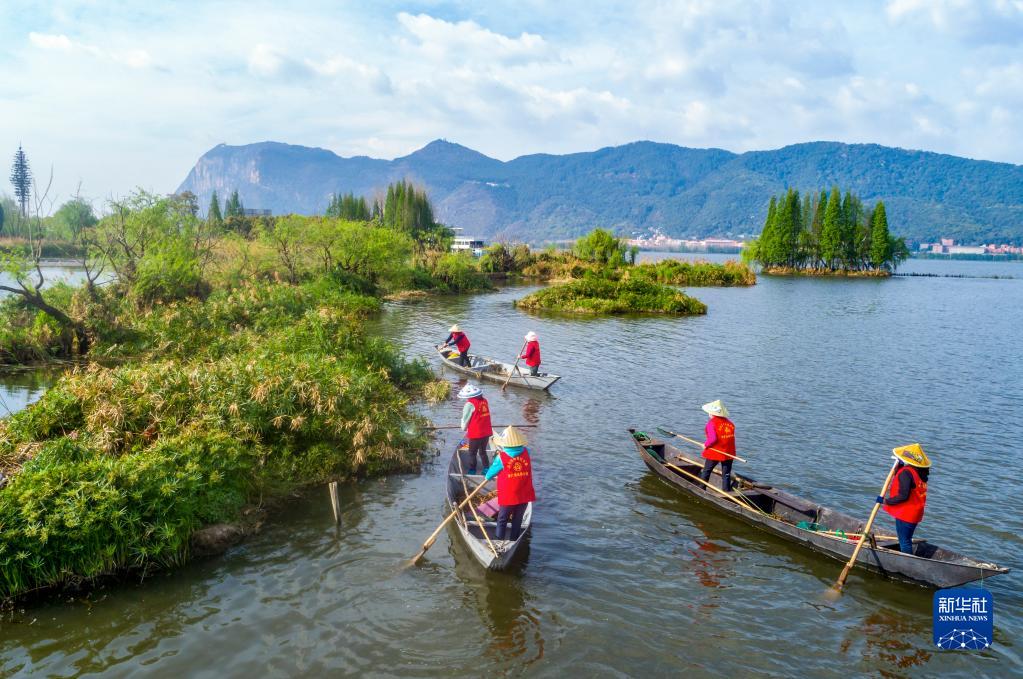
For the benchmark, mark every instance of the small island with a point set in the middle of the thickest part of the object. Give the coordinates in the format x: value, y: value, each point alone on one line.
x: 597, y: 295
x: 824, y: 234
x: 601, y: 277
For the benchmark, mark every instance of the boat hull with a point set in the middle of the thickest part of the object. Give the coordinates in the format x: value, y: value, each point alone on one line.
x: 470, y: 531
x: 491, y: 370
x: 929, y: 565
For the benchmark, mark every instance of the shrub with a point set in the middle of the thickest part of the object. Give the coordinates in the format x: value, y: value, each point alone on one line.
x: 600, y: 295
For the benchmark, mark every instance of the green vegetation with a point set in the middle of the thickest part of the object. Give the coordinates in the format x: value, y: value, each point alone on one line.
x: 695, y: 274
x: 247, y: 394
x: 825, y: 234
x: 594, y: 294
x: 602, y: 279
x: 228, y: 366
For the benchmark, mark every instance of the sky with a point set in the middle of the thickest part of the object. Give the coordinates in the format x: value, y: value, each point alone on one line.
x: 116, y: 95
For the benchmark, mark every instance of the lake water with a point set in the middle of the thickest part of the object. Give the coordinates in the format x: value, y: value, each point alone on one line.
x: 623, y: 575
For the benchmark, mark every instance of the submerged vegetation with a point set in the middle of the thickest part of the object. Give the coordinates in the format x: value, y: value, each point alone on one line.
x: 826, y: 234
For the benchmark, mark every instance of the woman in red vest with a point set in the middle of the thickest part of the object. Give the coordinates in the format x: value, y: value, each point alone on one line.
x: 458, y: 338
x: 476, y: 424
x: 907, y: 494
x: 532, y: 353
x: 719, y: 445
x: 514, y: 471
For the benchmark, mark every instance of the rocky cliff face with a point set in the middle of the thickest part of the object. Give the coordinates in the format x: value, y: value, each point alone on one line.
x: 635, y: 187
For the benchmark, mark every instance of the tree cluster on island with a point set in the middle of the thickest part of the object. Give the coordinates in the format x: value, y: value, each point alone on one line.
x: 826, y: 233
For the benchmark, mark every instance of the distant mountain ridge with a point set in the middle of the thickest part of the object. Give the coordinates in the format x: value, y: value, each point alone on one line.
x: 632, y: 188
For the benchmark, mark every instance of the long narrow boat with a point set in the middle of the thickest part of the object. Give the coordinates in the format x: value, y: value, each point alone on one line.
x: 483, y: 368
x: 813, y: 525
x: 494, y: 554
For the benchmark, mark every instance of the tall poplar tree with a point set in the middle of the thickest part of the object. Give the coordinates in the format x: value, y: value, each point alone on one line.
x: 767, y: 244
x: 21, y: 178
x: 831, y: 231
x: 880, y: 251
x: 234, y: 207
x: 213, y: 215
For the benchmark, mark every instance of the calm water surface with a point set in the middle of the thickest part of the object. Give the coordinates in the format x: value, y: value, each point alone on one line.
x: 623, y: 575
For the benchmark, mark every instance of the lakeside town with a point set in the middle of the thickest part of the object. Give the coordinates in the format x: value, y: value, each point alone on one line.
x: 944, y: 246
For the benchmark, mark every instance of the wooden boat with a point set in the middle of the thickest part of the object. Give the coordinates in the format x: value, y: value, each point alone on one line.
x: 483, y: 368
x: 812, y: 525
x: 477, y: 531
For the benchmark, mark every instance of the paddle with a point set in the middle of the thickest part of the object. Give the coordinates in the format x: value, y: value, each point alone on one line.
x: 433, y: 536
x: 668, y: 432
x: 836, y: 589
x: 472, y: 505
x: 746, y: 504
x: 514, y: 367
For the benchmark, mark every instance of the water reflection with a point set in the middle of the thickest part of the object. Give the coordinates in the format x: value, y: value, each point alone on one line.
x: 531, y: 410
x: 504, y: 608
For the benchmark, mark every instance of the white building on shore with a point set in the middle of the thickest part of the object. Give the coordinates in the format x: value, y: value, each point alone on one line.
x: 469, y: 243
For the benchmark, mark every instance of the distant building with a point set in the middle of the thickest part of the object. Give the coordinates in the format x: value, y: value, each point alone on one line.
x: 947, y: 242
x: 469, y: 243
x: 966, y: 250
x: 256, y: 212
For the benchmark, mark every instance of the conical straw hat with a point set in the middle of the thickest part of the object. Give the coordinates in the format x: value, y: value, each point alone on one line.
x: 715, y: 408
x: 511, y: 438
x: 912, y: 454
x: 455, y: 328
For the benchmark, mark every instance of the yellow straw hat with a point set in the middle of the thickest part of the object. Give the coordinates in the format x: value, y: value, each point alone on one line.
x: 511, y: 438
x: 715, y: 408
x: 912, y: 454
x: 455, y: 328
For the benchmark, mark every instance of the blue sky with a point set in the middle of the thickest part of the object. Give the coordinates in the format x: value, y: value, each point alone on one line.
x: 115, y: 95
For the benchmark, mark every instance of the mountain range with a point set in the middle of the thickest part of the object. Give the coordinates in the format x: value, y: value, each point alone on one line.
x: 634, y: 188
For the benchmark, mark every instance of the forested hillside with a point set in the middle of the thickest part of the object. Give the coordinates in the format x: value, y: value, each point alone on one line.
x: 632, y: 188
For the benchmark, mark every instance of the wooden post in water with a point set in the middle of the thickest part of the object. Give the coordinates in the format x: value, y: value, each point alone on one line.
x: 335, y: 501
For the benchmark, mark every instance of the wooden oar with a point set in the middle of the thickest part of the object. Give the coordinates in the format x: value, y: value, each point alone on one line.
x: 472, y: 505
x: 669, y: 432
x: 746, y: 504
x: 514, y: 367
x: 433, y: 536
x: 837, y: 588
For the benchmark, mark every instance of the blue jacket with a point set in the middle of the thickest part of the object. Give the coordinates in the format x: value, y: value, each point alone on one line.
x: 497, y: 466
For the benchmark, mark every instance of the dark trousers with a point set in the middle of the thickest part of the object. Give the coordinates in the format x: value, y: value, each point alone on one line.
x: 726, y: 472
x: 534, y: 370
x: 463, y: 359
x: 476, y: 447
x: 905, y: 530
x: 513, y: 513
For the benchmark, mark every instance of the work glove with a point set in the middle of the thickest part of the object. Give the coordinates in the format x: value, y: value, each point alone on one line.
x: 879, y: 500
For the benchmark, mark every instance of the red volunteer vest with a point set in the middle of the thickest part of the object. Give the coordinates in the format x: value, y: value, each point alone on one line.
x: 912, y: 510
x: 479, y: 423
x: 533, y: 353
x: 726, y: 440
x: 461, y: 341
x: 515, y: 482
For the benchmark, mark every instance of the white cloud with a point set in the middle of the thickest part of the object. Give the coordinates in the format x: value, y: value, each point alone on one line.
x: 981, y: 22
x: 50, y: 42
x: 505, y: 78
x: 439, y: 37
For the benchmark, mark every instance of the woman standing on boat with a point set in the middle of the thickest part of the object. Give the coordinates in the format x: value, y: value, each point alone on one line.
x: 514, y: 472
x: 907, y: 493
x: 476, y: 424
x: 720, y: 444
x: 532, y: 353
x: 461, y: 342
